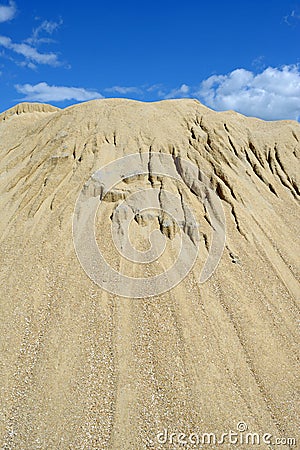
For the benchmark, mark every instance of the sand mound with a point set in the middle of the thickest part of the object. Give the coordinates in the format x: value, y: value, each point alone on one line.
x: 82, y: 366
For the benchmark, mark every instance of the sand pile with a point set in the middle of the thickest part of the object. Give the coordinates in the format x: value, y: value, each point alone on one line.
x: 108, y: 356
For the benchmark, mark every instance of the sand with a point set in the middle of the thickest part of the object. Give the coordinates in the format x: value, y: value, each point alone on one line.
x: 83, y: 367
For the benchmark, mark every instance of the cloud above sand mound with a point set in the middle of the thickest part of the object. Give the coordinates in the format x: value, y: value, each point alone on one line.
x: 7, y: 12
x: 271, y: 94
x: 44, y: 93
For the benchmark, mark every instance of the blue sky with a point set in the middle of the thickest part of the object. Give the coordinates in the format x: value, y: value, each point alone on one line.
x: 241, y: 55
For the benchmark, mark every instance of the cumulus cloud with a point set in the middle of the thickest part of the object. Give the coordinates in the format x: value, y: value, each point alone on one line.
x: 182, y: 91
x: 42, y: 92
x: 30, y: 53
x: 272, y: 94
x: 124, y: 90
x: 7, y: 12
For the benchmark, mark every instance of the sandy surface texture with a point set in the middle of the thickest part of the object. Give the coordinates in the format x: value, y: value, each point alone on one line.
x: 83, y: 366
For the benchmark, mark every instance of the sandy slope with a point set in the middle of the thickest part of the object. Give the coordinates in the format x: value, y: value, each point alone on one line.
x: 81, y: 368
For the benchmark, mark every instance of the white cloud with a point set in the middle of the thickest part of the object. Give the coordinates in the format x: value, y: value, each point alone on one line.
x: 30, y: 53
x: 46, y: 27
x: 272, y: 94
x: 141, y: 91
x: 154, y: 87
x: 42, y: 92
x: 124, y: 90
x: 292, y: 18
x: 182, y: 91
x: 258, y: 63
x: 27, y: 64
x: 7, y: 12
